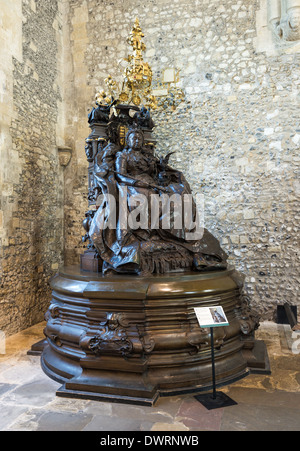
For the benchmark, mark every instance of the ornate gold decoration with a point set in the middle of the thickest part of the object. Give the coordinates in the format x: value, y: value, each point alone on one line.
x: 122, y: 134
x: 138, y: 74
x: 137, y: 77
x: 101, y: 98
x: 136, y: 87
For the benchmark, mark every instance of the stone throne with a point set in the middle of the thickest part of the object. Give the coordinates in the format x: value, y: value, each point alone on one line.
x: 121, y: 325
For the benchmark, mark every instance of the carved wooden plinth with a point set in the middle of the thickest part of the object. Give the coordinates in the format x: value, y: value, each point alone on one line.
x: 132, y: 339
x: 90, y: 262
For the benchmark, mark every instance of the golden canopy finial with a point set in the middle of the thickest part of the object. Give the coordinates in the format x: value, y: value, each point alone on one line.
x: 137, y: 77
x: 135, y: 39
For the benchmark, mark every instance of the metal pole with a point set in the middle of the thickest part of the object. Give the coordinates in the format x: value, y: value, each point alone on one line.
x: 291, y: 317
x: 213, y: 362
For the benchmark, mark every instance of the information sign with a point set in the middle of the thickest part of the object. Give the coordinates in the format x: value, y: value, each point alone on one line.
x: 211, y: 316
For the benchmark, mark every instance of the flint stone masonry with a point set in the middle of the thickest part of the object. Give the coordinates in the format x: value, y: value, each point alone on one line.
x: 32, y: 196
x: 236, y: 134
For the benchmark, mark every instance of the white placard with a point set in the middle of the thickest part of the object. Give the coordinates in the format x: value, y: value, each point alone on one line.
x: 211, y: 316
x: 160, y: 92
x: 169, y: 75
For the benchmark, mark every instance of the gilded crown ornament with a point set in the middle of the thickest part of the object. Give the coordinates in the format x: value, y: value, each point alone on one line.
x: 137, y: 77
x: 137, y: 87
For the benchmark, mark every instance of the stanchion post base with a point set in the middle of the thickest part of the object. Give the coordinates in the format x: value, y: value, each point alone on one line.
x: 221, y: 400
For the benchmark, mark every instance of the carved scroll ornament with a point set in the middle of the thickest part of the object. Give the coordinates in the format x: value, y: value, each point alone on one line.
x: 249, y: 321
x: 284, y: 19
x: 112, y: 337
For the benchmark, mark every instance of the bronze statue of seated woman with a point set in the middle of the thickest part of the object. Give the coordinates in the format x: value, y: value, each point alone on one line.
x: 141, y: 223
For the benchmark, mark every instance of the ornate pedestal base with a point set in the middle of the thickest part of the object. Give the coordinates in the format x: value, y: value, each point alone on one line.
x: 132, y: 339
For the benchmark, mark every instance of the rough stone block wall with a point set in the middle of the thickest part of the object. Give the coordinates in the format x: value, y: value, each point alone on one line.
x: 31, y: 229
x: 236, y: 135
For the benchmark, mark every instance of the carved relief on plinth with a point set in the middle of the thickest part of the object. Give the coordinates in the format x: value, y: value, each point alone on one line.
x: 112, y: 337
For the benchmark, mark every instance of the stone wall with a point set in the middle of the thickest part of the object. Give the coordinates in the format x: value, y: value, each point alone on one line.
x: 31, y: 209
x: 236, y: 135
x: 78, y: 99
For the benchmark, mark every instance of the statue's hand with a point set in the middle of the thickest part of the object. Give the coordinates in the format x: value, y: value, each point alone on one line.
x: 102, y: 171
x: 140, y: 184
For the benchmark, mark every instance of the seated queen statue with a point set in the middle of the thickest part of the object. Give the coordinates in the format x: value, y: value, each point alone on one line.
x: 146, y: 219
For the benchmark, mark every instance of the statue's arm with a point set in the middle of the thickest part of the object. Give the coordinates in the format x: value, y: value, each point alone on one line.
x: 122, y: 175
x: 121, y: 163
x: 121, y: 170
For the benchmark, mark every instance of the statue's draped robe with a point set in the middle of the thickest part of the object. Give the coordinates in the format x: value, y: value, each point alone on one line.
x: 128, y: 182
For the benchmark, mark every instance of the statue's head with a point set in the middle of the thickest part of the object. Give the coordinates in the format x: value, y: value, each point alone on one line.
x: 135, y: 139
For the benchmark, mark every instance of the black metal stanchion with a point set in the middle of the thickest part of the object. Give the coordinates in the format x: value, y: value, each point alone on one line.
x: 213, y: 362
x: 216, y: 399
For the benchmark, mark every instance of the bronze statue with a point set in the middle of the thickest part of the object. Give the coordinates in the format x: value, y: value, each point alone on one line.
x: 121, y: 336
x: 143, y: 118
x: 101, y: 112
x: 138, y: 226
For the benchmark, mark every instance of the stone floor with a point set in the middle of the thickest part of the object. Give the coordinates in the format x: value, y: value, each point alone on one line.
x: 264, y: 402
